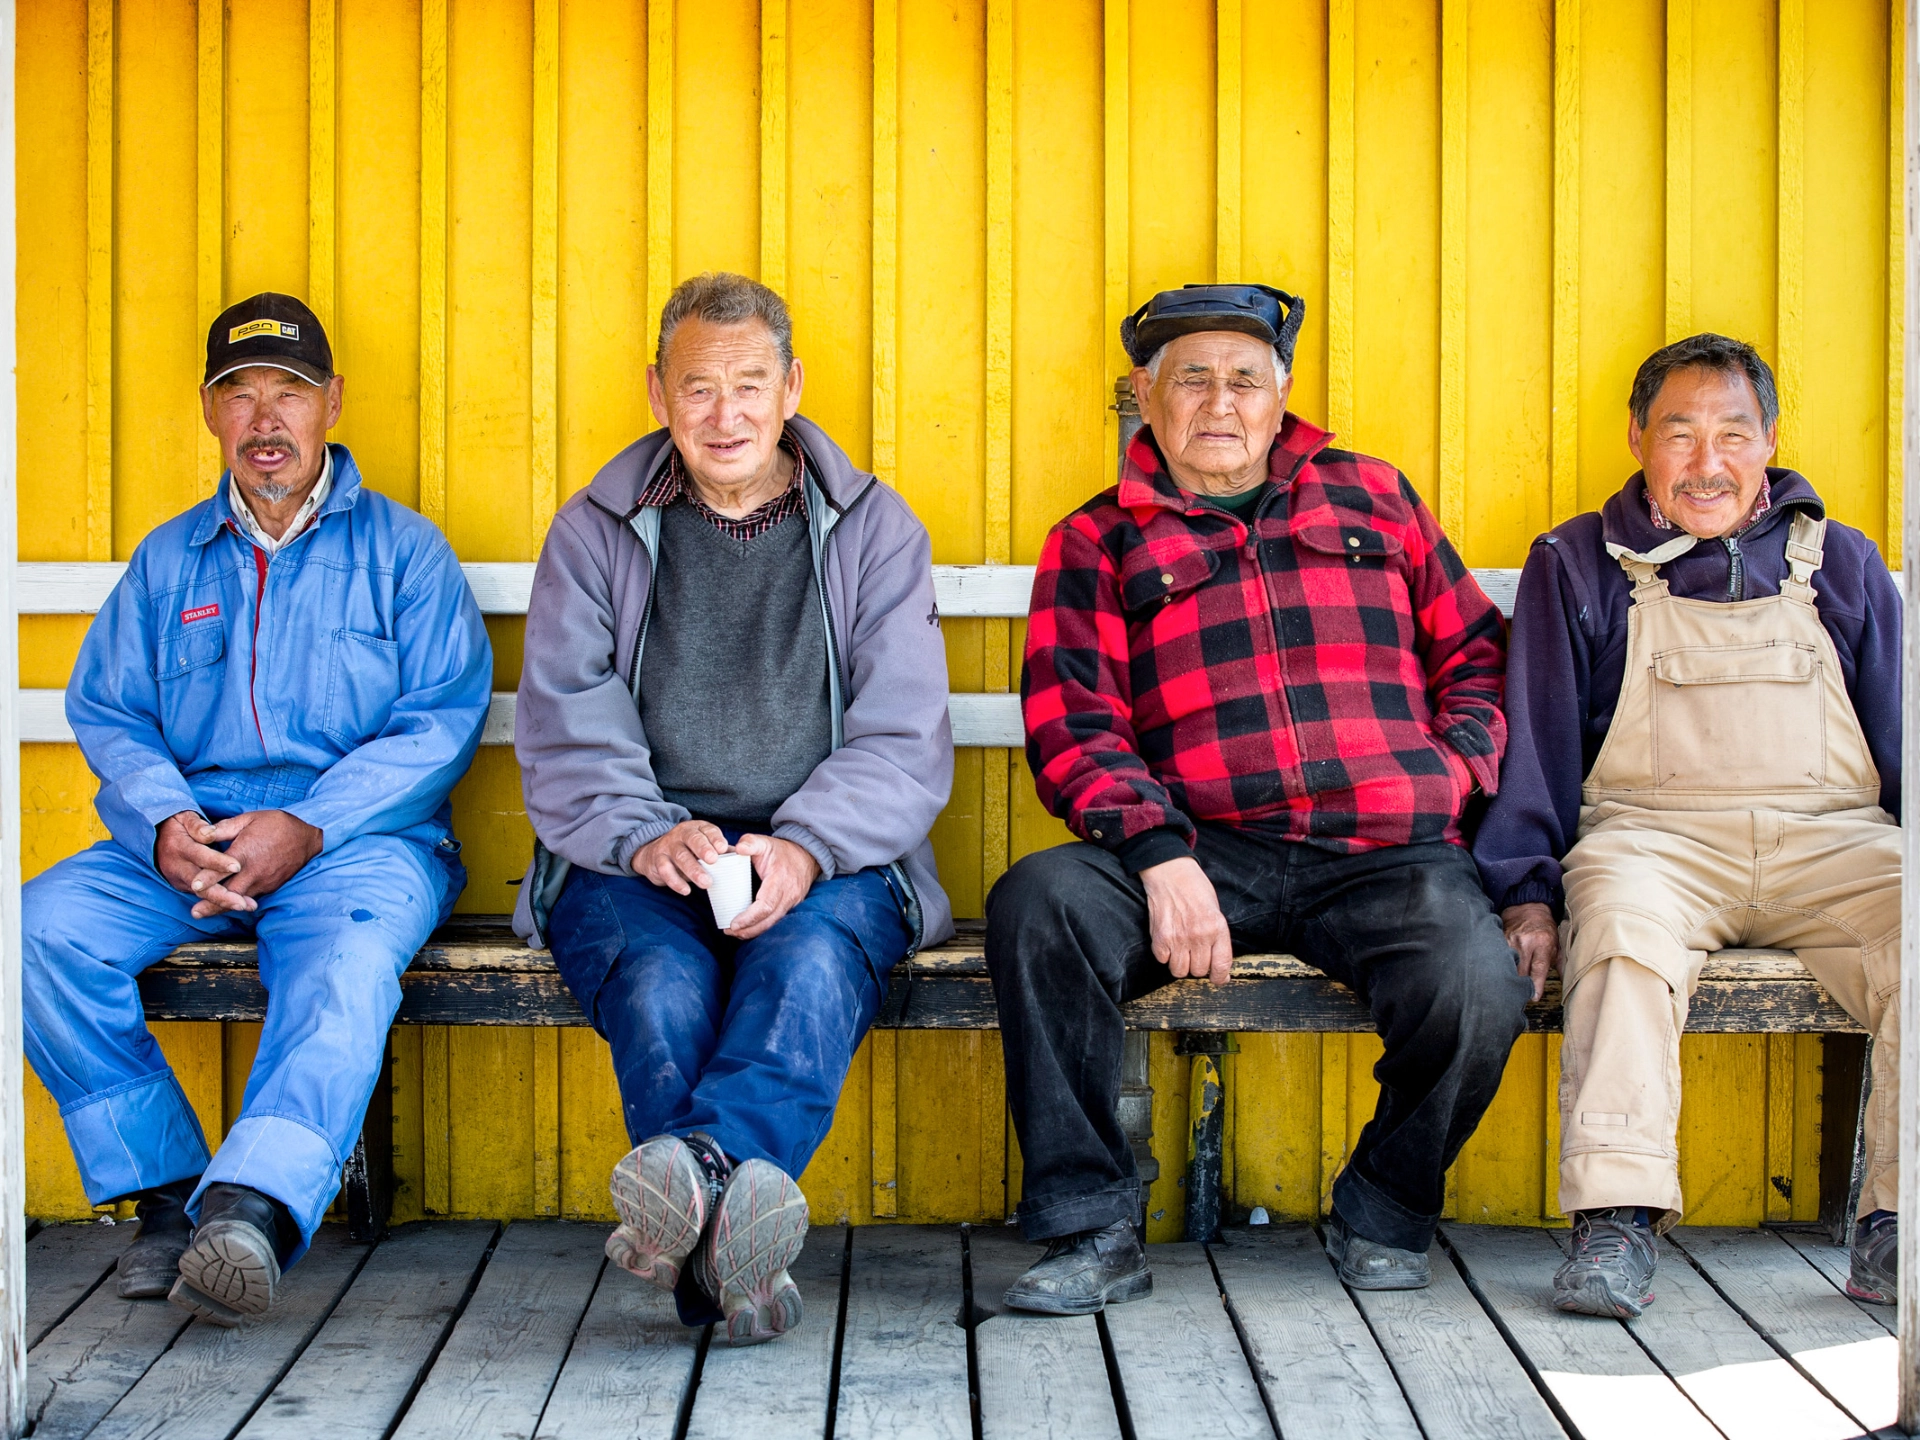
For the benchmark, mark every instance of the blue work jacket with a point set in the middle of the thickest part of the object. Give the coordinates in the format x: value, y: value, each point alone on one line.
x: 344, y: 680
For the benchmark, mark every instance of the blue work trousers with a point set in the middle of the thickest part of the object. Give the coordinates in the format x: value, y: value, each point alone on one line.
x: 333, y: 942
x: 748, y: 1041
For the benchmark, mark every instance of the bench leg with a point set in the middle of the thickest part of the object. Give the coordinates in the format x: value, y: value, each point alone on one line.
x: 368, y: 1182
x: 1846, y: 1079
x: 1136, y: 1112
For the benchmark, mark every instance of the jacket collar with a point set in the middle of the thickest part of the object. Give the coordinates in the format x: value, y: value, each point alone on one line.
x: 342, y: 497
x: 1627, y: 525
x: 621, y: 482
x: 1146, y: 486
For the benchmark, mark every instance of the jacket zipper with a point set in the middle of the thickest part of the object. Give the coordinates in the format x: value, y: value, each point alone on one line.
x: 1736, y: 569
x: 260, y: 562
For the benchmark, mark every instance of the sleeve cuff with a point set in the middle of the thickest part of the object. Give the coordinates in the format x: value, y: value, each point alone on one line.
x: 1150, y: 848
x: 1535, y: 892
x: 811, y: 843
x: 1470, y: 740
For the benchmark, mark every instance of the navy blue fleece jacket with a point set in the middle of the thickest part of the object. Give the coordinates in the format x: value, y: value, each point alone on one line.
x: 1568, y: 653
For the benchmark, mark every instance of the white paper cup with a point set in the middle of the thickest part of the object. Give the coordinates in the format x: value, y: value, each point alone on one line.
x: 732, y: 888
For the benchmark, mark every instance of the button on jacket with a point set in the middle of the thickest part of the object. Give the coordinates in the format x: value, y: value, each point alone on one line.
x: 1331, y: 673
x: 344, y: 680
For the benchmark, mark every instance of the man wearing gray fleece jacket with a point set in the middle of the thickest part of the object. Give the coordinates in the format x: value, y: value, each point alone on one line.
x: 732, y: 649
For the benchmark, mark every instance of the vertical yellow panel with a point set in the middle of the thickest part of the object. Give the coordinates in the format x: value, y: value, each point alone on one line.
x: 1284, y: 163
x: 53, y: 1180
x: 1782, y: 1084
x: 1850, y: 273
x: 101, y: 144
x: 1170, y: 104
x: 716, y: 138
x: 1396, y: 301
x: 593, y: 1134
x: 886, y: 238
x: 491, y: 1135
x: 838, y: 1180
x: 1626, y: 104
x: 1500, y: 1173
x: 240, y: 1048
x: 1679, y: 168
x: 773, y: 143
x: 1790, y: 194
x: 1896, y: 276
x: 1171, y: 1077
x: 546, y: 1120
x: 1273, y: 1094
x: 323, y: 149
x: 267, y: 128
x: 829, y: 227
x: 1342, y: 212
x: 56, y: 794
x: 1735, y: 267
x: 998, y: 386
x: 1454, y: 23
x: 1723, y: 1132
x: 1565, y: 479
x: 433, y: 260
x: 1808, y: 1052
x: 210, y: 191
x: 602, y: 237
x: 1550, y: 1144
x: 544, y: 323
x: 436, y: 1119
x: 885, y: 1123
x: 377, y: 320
x: 943, y: 1080
x: 661, y: 85
x: 1227, y: 173
x: 1116, y: 152
x: 409, y: 1140
x: 1333, y: 1113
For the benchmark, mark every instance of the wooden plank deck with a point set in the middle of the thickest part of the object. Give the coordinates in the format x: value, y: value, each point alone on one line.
x: 468, y: 1329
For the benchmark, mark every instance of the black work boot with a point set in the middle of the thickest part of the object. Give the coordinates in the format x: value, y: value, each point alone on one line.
x: 231, y: 1271
x: 1085, y: 1272
x: 1610, y: 1270
x: 1875, y: 1272
x: 1368, y: 1265
x: 149, y: 1266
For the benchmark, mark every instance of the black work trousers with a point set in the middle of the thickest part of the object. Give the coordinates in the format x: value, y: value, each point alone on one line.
x: 1407, y: 928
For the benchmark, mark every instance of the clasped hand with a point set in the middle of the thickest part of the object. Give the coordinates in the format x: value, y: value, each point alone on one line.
x: 1184, y: 923
x: 677, y: 861
x: 265, y: 849
x: 1535, y: 941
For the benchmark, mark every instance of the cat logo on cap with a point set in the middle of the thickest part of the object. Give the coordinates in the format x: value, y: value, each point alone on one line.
x: 282, y: 328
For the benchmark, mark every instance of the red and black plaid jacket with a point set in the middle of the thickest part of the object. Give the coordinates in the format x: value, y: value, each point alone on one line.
x: 1333, y: 677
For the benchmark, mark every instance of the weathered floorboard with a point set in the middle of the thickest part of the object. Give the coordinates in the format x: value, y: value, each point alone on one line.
x: 351, y: 1381
x: 903, y: 1363
x: 205, y: 1385
x: 1180, y: 1362
x: 64, y: 1263
x: 628, y: 1369
x: 1040, y: 1375
x: 1308, y: 1341
x: 1598, y: 1375
x: 494, y: 1374
x: 93, y: 1357
x: 1735, y: 1377
x: 1832, y: 1261
x: 782, y: 1385
x: 1852, y: 1358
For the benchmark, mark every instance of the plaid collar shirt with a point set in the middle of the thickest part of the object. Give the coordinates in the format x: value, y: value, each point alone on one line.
x: 1327, y: 672
x: 671, y: 485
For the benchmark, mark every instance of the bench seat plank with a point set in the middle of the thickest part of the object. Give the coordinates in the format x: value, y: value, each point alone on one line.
x: 476, y: 972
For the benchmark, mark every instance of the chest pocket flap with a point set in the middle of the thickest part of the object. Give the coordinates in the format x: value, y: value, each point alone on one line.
x: 1147, y: 581
x: 1348, y: 539
x: 1784, y: 661
x: 190, y: 647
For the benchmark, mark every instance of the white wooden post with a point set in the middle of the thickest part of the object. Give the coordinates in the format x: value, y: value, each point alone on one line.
x: 13, y: 1140
x: 1909, y: 767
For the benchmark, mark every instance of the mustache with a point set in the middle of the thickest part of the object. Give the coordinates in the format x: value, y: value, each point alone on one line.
x: 271, y: 442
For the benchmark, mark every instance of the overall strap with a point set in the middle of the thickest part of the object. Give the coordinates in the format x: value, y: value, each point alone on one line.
x: 1806, y: 547
x: 1644, y: 570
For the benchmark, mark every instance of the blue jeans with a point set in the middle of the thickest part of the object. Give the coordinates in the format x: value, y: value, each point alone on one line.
x: 749, y: 1040
x: 333, y: 941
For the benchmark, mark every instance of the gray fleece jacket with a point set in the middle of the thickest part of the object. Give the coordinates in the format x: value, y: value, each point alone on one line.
x: 584, y: 762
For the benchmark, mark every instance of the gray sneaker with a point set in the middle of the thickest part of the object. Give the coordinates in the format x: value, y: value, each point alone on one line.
x: 1368, y: 1265
x: 759, y: 1227
x: 663, y: 1194
x: 1875, y: 1275
x: 1610, y: 1271
x: 1083, y: 1273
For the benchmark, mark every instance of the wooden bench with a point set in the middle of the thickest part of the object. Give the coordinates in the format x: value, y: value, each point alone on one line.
x: 476, y: 972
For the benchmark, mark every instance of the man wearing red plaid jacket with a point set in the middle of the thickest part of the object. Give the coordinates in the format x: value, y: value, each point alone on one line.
x: 1260, y: 687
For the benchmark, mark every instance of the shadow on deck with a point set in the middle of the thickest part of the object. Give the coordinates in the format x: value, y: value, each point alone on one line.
x: 472, y: 1329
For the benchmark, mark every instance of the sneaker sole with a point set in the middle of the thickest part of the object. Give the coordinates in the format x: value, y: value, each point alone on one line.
x: 1872, y: 1297
x: 1133, y: 1287
x: 1593, y: 1296
x: 660, y: 1193
x: 228, y: 1274
x: 759, y: 1227
x: 1355, y: 1281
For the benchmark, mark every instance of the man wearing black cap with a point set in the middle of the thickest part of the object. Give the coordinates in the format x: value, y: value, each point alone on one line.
x: 276, y: 698
x: 1260, y: 688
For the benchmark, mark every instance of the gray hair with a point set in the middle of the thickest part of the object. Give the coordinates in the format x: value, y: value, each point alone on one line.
x: 1153, y: 364
x: 722, y: 298
x: 1703, y: 352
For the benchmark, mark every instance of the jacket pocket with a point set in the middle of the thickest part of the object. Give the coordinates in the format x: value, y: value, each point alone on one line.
x: 1149, y: 581
x: 362, y: 685
x: 189, y: 648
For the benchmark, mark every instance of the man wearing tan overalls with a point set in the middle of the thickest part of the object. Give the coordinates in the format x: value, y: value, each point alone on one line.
x: 1703, y: 709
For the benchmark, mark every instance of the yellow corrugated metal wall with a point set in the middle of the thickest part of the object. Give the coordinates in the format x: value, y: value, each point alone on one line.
x: 1494, y: 209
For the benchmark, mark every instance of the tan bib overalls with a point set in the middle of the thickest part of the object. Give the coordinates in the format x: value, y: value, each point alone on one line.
x: 1733, y: 804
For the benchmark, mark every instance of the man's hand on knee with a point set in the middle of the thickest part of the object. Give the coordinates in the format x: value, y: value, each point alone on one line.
x: 270, y: 845
x: 786, y: 873
x: 1188, y: 931
x: 1535, y: 940
x: 674, y: 861
x: 183, y: 853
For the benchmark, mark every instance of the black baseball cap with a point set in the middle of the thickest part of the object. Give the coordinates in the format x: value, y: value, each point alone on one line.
x: 269, y: 329
x: 1273, y: 315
